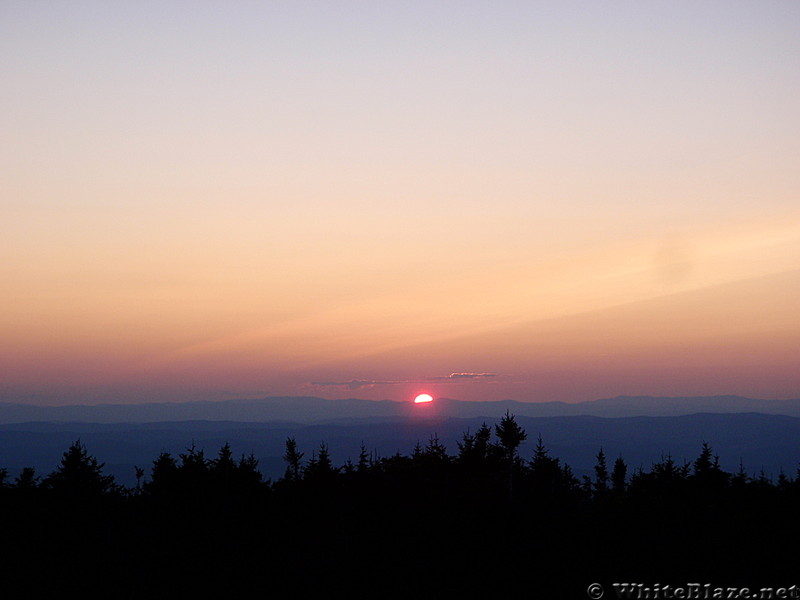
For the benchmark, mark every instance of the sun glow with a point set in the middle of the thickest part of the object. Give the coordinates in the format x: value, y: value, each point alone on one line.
x: 423, y: 398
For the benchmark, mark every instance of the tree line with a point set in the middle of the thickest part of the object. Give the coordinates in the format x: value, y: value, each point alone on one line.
x: 484, y: 519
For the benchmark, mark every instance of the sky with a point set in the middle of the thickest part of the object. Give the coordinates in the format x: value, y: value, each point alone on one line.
x: 527, y: 200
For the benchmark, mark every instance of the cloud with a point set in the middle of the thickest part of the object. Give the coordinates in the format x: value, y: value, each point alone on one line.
x: 355, y: 384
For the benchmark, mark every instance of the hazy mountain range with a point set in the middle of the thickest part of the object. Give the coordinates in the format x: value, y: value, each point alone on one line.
x: 761, y: 434
x: 320, y: 410
x: 768, y: 442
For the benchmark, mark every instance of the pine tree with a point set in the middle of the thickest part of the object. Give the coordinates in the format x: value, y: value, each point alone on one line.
x: 545, y: 471
x: 324, y: 460
x: 79, y: 474
x: 739, y: 479
x: 249, y: 464
x: 139, y: 475
x: 473, y: 449
x: 193, y: 471
x: 704, y: 464
x: 418, y: 452
x: 163, y: 475
x: 320, y: 468
x: 570, y: 483
x: 364, y: 460
x: 248, y: 475
x: 228, y: 474
x: 293, y: 460
x: 586, y: 486
x: 482, y: 437
x: 510, y: 435
x: 193, y: 460
x: 784, y: 483
x: 224, y: 463
x: 618, y: 476
x: 600, y: 475
x: 27, y: 479
x: 707, y: 473
x: 435, y: 450
x: 466, y: 447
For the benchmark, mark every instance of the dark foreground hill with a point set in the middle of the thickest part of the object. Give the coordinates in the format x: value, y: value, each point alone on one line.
x: 480, y: 521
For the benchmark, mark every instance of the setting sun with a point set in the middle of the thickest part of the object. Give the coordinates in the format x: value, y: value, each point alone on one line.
x: 423, y: 398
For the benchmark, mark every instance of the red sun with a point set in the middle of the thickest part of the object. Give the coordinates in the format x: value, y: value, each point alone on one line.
x: 423, y: 398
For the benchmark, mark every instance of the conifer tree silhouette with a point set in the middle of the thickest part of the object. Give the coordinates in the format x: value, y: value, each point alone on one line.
x: 79, y: 474
x: 466, y: 446
x: 293, y: 460
x: 323, y: 466
x: 224, y: 462
x: 586, y: 486
x: 193, y: 461
x: 417, y: 453
x: 364, y: 461
x: 248, y: 469
x: 667, y: 472
x: 545, y: 471
x: 601, y: 475
x: 435, y: 451
x: 618, y: 476
x: 482, y: 438
x: 571, y: 484
x: 139, y: 475
x: 510, y: 436
x: 739, y: 479
x: 708, y: 474
x: 473, y: 449
x: 193, y: 471
x: 27, y: 479
x: 381, y: 518
x: 163, y: 475
x: 783, y: 481
x: 223, y: 470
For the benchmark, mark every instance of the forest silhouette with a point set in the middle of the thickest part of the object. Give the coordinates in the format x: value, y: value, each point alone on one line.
x: 484, y: 522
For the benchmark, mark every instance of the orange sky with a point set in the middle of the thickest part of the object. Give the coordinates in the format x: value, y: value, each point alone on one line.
x: 560, y: 204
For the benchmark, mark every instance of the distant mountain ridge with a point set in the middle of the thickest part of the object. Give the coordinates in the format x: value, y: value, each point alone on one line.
x: 310, y: 409
x: 760, y: 442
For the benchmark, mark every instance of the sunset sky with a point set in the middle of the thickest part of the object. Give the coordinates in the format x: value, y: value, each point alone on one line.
x: 478, y: 200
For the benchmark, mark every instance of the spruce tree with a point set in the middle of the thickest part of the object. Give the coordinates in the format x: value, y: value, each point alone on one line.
x: 79, y: 474
x: 618, y: 476
x: 293, y: 460
x: 600, y: 475
x: 510, y: 436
